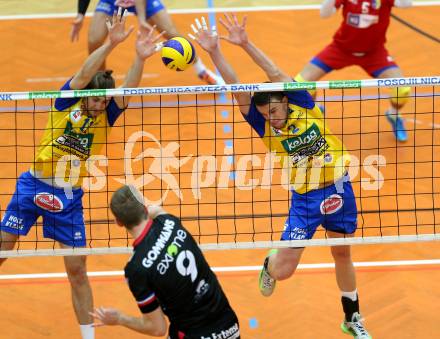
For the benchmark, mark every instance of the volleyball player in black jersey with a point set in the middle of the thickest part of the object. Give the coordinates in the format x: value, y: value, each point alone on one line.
x: 167, y: 274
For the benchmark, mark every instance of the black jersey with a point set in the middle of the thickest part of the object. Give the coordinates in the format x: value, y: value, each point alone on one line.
x: 169, y: 270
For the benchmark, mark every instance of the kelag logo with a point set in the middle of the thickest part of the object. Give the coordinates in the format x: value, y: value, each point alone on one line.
x: 345, y: 84
x: 292, y: 145
x: 90, y: 93
x: 299, y: 85
x: 45, y: 95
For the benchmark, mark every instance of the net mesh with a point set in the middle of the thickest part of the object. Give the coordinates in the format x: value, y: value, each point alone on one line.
x: 191, y: 151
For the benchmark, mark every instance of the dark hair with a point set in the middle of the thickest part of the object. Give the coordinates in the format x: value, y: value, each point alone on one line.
x: 264, y: 98
x: 102, y: 80
x: 127, y: 206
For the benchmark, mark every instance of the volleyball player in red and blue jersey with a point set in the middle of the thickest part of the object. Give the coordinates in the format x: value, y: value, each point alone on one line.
x: 360, y: 40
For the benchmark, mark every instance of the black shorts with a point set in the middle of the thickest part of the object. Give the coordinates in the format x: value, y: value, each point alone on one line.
x: 226, y: 327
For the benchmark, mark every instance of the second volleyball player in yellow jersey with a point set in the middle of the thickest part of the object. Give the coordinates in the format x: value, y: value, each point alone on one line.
x: 77, y: 128
x: 290, y: 124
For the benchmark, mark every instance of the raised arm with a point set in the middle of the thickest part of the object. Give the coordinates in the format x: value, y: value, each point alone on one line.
x: 238, y: 36
x: 146, y: 46
x: 328, y: 8
x: 117, y: 34
x: 208, y: 39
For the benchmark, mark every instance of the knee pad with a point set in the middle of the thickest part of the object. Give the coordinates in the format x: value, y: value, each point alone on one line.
x: 400, y: 96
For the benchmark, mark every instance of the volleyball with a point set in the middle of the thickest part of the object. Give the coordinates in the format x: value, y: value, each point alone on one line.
x: 178, y: 54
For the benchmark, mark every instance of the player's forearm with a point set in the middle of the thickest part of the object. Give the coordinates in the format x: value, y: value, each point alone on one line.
x: 327, y: 8
x: 93, y: 63
x: 140, y: 10
x: 271, y: 70
x: 134, y: 74
x: 82, y: 6
x: 403, y: 3
x: 225, y: 69
x: 140, y: 324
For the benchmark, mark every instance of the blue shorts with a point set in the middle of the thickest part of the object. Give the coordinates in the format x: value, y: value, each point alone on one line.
x: 108, y: 7
x: 333, y: 207
x: 63, y: 218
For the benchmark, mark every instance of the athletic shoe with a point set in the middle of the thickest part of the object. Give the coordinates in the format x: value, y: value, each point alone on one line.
x: 211, y: 78
x: 398, y: 127
x: 266, y: 282
x: 355, y: 327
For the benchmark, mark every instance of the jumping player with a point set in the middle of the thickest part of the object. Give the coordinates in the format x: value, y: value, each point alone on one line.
x: 360, y: 40
x: 148, y: 11
x: 291, y: 125
x: 76, y: 129
x: 167, y: 274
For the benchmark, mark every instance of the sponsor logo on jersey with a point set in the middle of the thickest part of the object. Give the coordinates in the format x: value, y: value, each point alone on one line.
x: 172, y: 251
x: 75, y: 115
x: 332, y: 204
x: 48, y: 202
x: 307, y: 138
x: 14, y: 222
x: 298, y: 233
x: 160, y: 244
x: 201, y: 290
x: 231, y: 333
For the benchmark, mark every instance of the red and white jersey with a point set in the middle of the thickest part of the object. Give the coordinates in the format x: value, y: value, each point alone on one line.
x: 365, y: 24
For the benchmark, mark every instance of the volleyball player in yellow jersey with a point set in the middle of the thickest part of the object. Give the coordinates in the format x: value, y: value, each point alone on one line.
x: 78, y: 127
x: 292, y: 125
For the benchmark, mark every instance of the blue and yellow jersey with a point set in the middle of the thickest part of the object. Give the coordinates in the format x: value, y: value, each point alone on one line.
x: 71, y: 131
x: 316, y: 158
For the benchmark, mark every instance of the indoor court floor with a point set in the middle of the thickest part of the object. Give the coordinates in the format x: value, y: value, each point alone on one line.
x: 397, y: 300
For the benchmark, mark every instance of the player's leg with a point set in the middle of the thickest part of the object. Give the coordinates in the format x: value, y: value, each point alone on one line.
x: 280, y: 264
x: 329, y: 59
x: 311, y: 72
x: 301, y: 224
x: 67, y: 227
x: 7, y: 243
x: 399, y: 97
x: 341, y: 221
x: 82, y: 297
x: 379, y: 64
x: 164, y: 22
x: 98, y: 29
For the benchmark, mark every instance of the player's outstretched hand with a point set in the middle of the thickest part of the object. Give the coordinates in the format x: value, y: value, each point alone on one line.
x: 237, y: 32
x: 76, y: 27
x: 106, y: 316
x: 207, y: 38
x: 116, y: 27
x: 146, y: 43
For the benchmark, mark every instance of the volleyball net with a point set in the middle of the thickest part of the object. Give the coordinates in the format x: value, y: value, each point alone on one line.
x: 189, y: 149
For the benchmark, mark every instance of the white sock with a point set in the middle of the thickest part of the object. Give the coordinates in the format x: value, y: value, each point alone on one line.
x: 87, y: 331
x: 199, y: 66
x: 350, y: 295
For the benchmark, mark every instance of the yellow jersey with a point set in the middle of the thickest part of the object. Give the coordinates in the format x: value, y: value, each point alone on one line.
x: 308, y: 149
x: 72, y: 135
